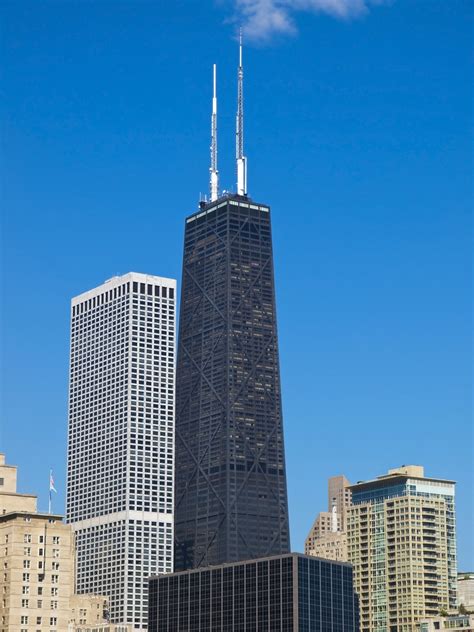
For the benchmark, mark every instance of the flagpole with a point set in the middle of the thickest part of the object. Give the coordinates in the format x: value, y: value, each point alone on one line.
x: 49, y: 502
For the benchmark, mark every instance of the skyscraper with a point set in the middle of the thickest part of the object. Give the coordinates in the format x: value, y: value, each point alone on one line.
x: 121, y: 439
x: 402, y: 544
x: 231, y: 499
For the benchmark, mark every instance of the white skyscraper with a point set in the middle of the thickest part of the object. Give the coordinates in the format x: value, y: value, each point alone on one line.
x: 121, y: 439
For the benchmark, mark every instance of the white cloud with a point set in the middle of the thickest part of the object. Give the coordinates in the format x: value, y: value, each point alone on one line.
x: 261, y: 19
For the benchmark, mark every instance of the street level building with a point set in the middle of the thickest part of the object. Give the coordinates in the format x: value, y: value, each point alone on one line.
x: 286, y: 593
x: 231, y: 497
x: 102, y: 627
x: 87, y: 610
x: 451, y: 622
x: 37, y: 566
x: 402, y: 544
x: 121, y: 439
x: 466, y: 590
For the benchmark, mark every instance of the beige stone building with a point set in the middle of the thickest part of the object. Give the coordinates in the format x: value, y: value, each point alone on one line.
x: 103, y: 627
x: 466, y: 590
x: 87, y: 610
x: 453, y: 622
x: 339, y: 496
x: 37, y: 567
x: 327, y: 537
x: 402, y: 544
x: 332, y: 546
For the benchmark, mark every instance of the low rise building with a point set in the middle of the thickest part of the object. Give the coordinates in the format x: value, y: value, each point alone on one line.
x: 466, y: 590
x: 288, y: 593
x: 88, y: 610
x: 451, y: 622
x: 37, y: 567
x: 103, y: 627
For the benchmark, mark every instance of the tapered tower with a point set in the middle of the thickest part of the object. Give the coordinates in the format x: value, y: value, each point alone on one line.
x: 231, y: 497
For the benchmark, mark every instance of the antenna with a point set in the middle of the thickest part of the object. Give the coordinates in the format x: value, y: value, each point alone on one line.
x: 214, y: 177
x: 239, y: 128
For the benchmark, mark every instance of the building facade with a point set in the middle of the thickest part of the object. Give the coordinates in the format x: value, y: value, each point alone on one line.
x: 402, y: 544
x: 451, y: 622
x: 327, y: 537
x: 466, y: 590
x: 288, y: 593
x: 121, y: 439
x: 231, y: 498
x: 37, y: 566
x: 331, y: 546
x: 340, y: 497
x: 88, y: 611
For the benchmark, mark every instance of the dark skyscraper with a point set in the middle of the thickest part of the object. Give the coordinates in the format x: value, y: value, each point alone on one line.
x: 231, y: 499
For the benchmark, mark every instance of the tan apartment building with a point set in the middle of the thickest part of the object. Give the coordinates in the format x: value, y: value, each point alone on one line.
x: 37, y: 566
x: 327, y: 537
x: 402, y: 544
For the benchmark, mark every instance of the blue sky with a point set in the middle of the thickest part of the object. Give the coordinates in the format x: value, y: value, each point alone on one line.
x: 358, y: 134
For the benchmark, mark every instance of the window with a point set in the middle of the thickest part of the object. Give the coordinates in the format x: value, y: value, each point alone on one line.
x: 27, y: 537
x: 24, y: 603
x: 53, y: 621
x: 56, y: 539
x: 24, y: 620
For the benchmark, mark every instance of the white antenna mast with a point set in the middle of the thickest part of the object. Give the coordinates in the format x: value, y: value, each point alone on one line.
x: 239, y: 128
x: 214, y: 178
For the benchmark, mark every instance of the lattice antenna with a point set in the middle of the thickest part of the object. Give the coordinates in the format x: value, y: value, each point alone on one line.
x: 214, y: 173
x: 239, y: 128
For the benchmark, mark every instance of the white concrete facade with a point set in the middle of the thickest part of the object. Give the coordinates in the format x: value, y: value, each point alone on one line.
x: 120, y: 485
